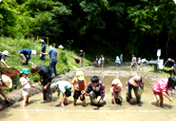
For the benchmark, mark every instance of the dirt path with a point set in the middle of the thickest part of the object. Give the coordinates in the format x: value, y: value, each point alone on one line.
x: 36, y: 110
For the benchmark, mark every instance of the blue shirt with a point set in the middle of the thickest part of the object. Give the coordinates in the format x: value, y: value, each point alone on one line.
x: 43, y: 48
x: 81, y: 55
x: 53, y: 54
x: 63, y: 85
x: 26, y: 52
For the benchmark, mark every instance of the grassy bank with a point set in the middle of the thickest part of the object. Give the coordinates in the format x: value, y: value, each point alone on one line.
x: 65, y: 60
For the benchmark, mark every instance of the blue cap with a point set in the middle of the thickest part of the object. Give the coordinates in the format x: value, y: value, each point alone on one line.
x: 25, y: 71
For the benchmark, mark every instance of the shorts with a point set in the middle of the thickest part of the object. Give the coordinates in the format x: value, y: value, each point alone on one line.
x: 26, y: 92
x: 77, y: 94
x: 156, y: 92
x: 68, y: 93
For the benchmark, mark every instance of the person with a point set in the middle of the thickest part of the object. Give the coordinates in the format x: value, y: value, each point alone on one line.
x: 42, y: 57
x: 102, y: 59
x: 46, y: 76
x: 81, y: 55
x: 135, y: 83
x: 116, y: 90
x: 23, y: 54
x: 95, y: 63
x: 24, y: 80
x: 121, y: 58
x: 139, y: 62
x: 4, y: 54
x: 117, y: 61
x: 64, y: 87
x: 96, y: 91
x: 53, y: 57
x: 161, y: 88
x: 170, y: 63
x: 79, y: 84
x: 133, y: 61
x: 5, y: 81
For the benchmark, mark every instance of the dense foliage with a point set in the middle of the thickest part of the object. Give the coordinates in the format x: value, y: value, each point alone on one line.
x: 110, y: 27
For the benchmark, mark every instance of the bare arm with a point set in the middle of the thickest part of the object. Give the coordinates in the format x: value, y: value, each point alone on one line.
x: 44, y: 53
x: 113, y: 99
x: 2, y: 60
x: 166, y: 95
x: 23, y: 84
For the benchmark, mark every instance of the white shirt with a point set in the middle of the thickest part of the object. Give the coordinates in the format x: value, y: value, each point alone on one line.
x: 24, y: 80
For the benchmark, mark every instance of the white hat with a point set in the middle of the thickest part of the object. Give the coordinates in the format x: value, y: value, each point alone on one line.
x: 34, y: 52
x: 42, y: 41
x: 117, y: 82
x: 61, y: 47
x: 80, y: 75
x: 5, y: 52
x: 7, y: 80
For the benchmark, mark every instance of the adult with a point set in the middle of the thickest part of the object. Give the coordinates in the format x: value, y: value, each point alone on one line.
x: 25, y: 54
x: 121, y: 58
x: 81, y: 55
x: 170, y: 63
x: 42, y: 57
x: 53, y: 57
x: 5, y: 81
x: 134, y: 82
x: 133, y: 61
x: 4, y: 54
x: 102, y: 59
x: 117, y: 61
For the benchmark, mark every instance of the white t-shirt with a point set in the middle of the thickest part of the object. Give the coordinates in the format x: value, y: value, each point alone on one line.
x: 24, y: 80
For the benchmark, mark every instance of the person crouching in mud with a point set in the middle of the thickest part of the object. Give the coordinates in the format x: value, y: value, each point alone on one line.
x: 135, y: 83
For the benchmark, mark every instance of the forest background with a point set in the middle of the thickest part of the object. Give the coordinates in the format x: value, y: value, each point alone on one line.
x: 108, y: 27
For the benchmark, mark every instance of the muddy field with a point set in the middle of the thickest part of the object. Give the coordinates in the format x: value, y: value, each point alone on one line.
x: 36, y: 110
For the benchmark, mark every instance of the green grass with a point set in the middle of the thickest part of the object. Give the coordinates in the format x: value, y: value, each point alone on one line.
x: 65, y: 63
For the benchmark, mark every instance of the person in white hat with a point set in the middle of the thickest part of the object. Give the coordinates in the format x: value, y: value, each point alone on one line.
x: 4, y: 54
x: 5, y: 81
x: 42, y: 57
x: 116, y: 90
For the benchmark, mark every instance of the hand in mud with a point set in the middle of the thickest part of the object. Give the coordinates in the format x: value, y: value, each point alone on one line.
x: 62, y: 104
x: 8, y: 102
x: 131, y: 101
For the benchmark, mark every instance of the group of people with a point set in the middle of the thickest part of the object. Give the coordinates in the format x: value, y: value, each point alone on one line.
x: 140, y: 62
x: 99, y: 62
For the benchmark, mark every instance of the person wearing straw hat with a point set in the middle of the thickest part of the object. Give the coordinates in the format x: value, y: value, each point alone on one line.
x: 116, y: 90
x: 136, y: 83
x: 23, y: 54
x: 5, y: 81
x: 42, y: 57
x: 64, y: 87
x: 4, y: 54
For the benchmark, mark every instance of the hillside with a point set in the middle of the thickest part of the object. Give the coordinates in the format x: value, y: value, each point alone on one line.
x: 65, y: 63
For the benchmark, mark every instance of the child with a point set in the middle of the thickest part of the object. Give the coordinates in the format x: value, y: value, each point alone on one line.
x: 46, y: 76
x: 65, y: 88
x: 24, y: 80
x: 161, y: 88
x: 96, y: 91
x: 116, y: 89
x: 79, y: 82
x: 135, y: 83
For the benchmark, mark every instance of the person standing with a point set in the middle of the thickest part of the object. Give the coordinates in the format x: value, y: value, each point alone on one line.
x: 121, y: 58
x: 81, y: 55
x: 23, y: 54
x: 53, y: 57
x: 42, y: 57
x: 4, y: 54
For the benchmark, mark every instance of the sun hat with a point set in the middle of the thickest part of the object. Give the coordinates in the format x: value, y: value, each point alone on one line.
x: 61, y: 47
x: 7, y: 80
x: 117, y: 82
x: 80, y: 75
x: 25, y: 71
x: 53, y: 87
x: 42, y: 41
x: 5, y: 52
x: 34, y: 52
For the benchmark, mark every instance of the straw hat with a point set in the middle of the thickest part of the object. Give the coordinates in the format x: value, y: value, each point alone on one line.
x: 42, y: 41
x: 117, y: 82
x: 6, y: 80
x: 5, y: 52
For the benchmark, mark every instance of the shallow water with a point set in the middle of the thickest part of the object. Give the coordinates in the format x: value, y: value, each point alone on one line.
x: 146, y: 110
